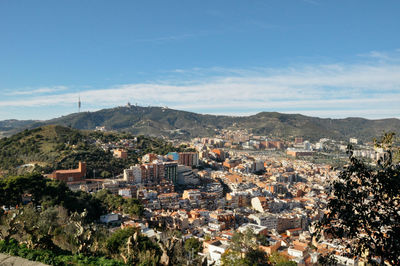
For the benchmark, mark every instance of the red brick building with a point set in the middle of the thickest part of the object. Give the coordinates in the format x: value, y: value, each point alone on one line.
x: 71, y: 175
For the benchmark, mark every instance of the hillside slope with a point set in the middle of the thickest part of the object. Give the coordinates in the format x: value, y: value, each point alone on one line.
x: 158, y: 121
x: 52, y: 147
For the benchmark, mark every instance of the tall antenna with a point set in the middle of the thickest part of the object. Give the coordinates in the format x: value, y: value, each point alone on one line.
x: 79, y: 104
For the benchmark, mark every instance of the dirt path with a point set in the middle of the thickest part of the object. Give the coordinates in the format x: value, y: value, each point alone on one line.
x: 8, y: 260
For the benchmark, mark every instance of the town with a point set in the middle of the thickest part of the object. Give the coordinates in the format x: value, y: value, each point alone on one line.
x: 230, y: 183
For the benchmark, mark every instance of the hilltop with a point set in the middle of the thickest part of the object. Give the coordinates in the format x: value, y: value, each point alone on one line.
x: 51, y: 147
x: 159, y: 121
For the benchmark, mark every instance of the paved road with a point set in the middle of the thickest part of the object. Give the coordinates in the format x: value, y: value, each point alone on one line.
x: 8, y: 260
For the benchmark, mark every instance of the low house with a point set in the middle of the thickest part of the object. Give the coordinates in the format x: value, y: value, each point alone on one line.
x: 111, y: 219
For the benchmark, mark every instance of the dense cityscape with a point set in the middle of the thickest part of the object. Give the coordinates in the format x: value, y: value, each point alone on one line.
x: 231, y: 133
x: 208, y: 192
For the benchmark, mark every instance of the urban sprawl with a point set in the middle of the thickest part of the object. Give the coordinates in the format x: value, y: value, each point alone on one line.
x: 234, y: 181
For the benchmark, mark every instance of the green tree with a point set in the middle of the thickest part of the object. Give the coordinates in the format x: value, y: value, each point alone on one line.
x: 47, y: 193
x: 277, y: 259
x: 128, y: 244
x: 115, y: 202
x: 193, y: 244
x: 364, y: 210
x: 243, y: 250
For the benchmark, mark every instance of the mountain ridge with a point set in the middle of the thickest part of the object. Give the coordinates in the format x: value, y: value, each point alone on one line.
x: 161, y: 121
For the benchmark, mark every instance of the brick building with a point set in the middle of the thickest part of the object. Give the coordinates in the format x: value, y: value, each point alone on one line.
x: 71, y: 175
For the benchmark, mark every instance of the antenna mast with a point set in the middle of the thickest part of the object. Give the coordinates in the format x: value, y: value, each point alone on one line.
x: 79, y: 104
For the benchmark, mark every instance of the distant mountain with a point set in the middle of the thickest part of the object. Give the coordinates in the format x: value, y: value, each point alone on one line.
x: 159, y: 121
x: 12, y: 126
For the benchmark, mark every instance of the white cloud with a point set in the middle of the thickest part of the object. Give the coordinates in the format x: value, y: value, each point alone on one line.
x: 383, y: 56
x: 336, y: 90
x: 42, y: 90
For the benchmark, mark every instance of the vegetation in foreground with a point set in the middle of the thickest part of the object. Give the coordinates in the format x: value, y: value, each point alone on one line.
x: 244, y: 250
x: 364, y: 210
x: 59, y: 225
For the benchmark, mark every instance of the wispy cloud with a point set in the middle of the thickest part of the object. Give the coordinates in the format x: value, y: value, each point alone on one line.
x: 383, y: 56
x: 42, y: 90
x: 370, y: 89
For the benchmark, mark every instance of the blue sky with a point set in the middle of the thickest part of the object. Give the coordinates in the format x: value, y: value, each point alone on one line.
x: 336, y: 58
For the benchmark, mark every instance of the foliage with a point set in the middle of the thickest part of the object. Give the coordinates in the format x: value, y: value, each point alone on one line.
x: 51, y: 229
x: 49, y: 148
x: 58, y: 225
x: 193, y: 244
x: 115, y: 202
x: 46, y: 193
x: 277, y: 259
x: 59, y: 236
x: 174, y: 250
x: 51, y: 257
x: 157, y: 121
x: 243, y: 250
x: 132, y: 247
x: 364, y: 210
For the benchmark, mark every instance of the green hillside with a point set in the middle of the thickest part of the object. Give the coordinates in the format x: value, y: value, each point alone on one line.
x: 313, y: 128
x: 51, y: 147
x: 158, y: 121
x: 153, y: 121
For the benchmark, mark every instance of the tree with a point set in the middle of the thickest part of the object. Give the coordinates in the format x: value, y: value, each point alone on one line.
x: 243, y: 250
x: 83, y: 233
x: 133, y: 247
x: 364, y: 210
x: 277, y: 259
x: 113, y: 202
x: 46, y: 193
x: 193, y: 244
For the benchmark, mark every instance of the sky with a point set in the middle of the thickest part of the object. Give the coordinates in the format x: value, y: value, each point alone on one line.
x: 325, y: 58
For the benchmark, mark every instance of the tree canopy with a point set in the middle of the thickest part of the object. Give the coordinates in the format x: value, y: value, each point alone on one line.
x: 364, y: 210
x: 46, y: 193
x: 243, y: 250
x: 59, y: 224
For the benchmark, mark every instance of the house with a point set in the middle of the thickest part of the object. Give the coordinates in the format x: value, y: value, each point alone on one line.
x: 120, y: 153
x: 260, y: 204
x: 112, y: 219
x: 215, y: 250
x: 257, y: 229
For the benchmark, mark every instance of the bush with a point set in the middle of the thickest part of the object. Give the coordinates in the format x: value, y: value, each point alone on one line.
x: 48, y: 257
